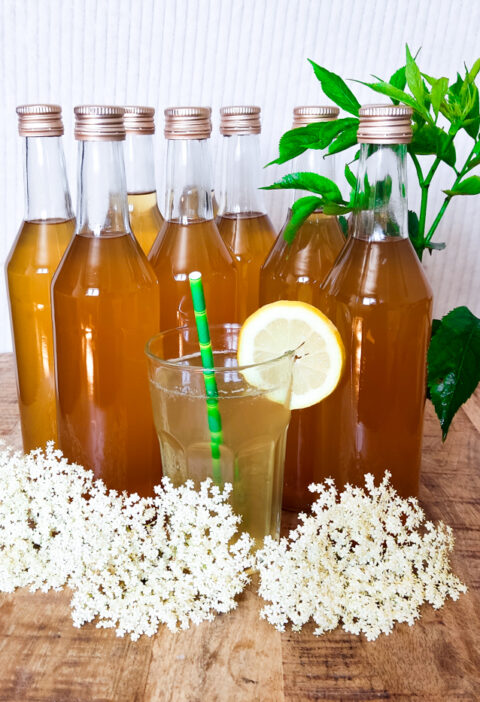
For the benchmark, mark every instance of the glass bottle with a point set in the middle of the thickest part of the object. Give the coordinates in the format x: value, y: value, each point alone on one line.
x: 105, y: 308
x: 189, y: 239
x: 145, y: 218
x: 243, y: 222
x: 294, y: 272
x: 36, y: 252
x: 380, y: 300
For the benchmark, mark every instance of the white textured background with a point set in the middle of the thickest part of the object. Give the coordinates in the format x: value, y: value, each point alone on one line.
x: 218, y: 52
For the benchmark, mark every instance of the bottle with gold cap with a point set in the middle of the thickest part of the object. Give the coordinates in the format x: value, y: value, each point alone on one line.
x: 145, y: 218
x: 105, y: 307
x: 40, y: 244
x: 243, y: 222
x: 190, y: 240
x: 294, y: 272
x: 380, y: 300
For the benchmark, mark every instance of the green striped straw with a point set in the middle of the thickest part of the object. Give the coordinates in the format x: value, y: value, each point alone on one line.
x: 206, y: 353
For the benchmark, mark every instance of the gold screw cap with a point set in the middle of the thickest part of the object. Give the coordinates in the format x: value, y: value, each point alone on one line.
x: 244, y: 119
x: 139, y: 119
x: 385, y: 124
x: 99, y: 123
x: 188, y: 122
x: 40, y: 120
x: 306, y: 114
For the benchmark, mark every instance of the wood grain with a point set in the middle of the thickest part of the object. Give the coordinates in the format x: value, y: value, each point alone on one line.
x: 238, y: 657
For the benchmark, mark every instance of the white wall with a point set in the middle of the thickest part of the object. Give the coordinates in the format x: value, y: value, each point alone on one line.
x: 217, y: 52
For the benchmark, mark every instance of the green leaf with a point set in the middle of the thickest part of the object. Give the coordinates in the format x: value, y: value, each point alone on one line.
x: 397, y: 94
x: 468, y: 186
x: 336, y: 89
x: 453, y: 363
x: 472, y: 119
x: 350, y: 176
x: 317, y: 135
x: 473, y: 72
x: 436, y: 324
x: 430, y: 139
x: 413, y: 225
x: 308, y: 181
x: 332, y: 208
x: 435, y: 246
x: 399, y: 79
x: 473, y: 163
x: 344, y: 141
x: 437, y: 94
x: 343, y: 222
x: 301, y: 210
x: 414, y: 79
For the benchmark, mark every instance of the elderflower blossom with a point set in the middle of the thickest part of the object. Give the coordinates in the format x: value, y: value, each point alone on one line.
x: 365, y: 558
x: 133, y: 563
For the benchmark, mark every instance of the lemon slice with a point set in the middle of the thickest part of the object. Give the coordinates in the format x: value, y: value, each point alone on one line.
x: 287, y: 325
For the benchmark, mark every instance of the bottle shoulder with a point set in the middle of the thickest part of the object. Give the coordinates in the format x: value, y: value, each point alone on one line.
x: 378, y: 272
x: 100, y: 264
x: 184, y: 247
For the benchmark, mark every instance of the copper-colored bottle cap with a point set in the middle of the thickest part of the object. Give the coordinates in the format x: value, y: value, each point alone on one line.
x: 40, y: 120
x: 188, y: 122
x: 240, y: 120
x: 139, y: 119
x: 307, y: 114
x: 385, y: 124
x: 99, y: 123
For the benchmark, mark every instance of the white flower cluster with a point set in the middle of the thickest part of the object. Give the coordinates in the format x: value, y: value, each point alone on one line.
x: 133, y: 563
x: 365, y: 558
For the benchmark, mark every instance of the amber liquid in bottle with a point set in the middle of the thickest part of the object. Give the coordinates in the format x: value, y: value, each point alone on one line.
x: 380, y: 300
x: 145, y: 218
x: 249, y: 235
x: 40, y: 244
x: 295, y: 272
x: 243, y: 223
x: 190, y: 241
x: 106, y: 306
x: 33, y: 260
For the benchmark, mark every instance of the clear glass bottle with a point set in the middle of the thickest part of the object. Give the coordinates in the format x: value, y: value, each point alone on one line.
x: 189, y: 239
x: 381, y: 302
x: 294, y: 272
x: 105, y: 308
x: 145, y: 218
x: 36, y: 252
x: 242, y: 220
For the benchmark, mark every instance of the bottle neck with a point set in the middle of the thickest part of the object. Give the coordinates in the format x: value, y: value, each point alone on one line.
x: 47, y: 195
x: 139, y: 163
x: 381, y: 193
x: 188, y: 181
x: 313, y: 161
x: 241, y: 175
x: 102, y: 192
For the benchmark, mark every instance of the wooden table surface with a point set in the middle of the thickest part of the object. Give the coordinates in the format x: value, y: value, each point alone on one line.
x: 239, y: 657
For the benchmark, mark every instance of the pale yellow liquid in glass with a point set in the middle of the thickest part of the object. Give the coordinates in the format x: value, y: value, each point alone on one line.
x: 295, y: 272
x: 30, y: 266
x: 251, y: 456
x: 380, y: 300
x: 249, y: 236
x: 145, y: 218
x: 181, y: 249
x: 106, y: 307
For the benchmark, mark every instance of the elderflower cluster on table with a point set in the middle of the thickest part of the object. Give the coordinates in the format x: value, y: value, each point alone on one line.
x: 363, y: 559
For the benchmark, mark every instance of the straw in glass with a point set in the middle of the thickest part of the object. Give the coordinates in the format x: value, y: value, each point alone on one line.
x: 206, y: 353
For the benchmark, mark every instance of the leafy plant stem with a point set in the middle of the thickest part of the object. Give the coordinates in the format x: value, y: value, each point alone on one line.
x: 418, y: 168
x: 447, y: 199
